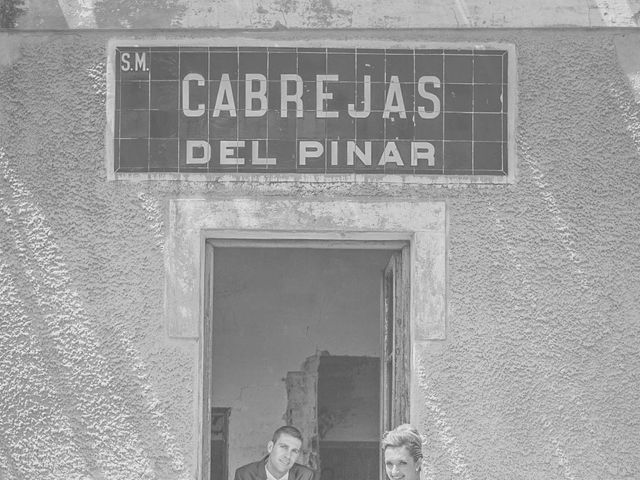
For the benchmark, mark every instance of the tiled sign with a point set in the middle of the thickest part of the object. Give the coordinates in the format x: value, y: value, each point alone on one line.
x: 311, y: 110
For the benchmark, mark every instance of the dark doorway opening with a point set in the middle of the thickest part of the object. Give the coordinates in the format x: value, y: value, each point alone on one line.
x: 299, y: 335
x: 348, y: 399
x: 219, y: 443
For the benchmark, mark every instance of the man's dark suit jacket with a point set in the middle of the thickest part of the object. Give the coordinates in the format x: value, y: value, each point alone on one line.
x: 256, y: 471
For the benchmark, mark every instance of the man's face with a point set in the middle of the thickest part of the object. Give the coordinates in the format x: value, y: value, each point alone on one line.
x: 283, y: 454
x: 400, y: 465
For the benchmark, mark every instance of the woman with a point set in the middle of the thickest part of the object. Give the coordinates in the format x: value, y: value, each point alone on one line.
x: 402, y: 449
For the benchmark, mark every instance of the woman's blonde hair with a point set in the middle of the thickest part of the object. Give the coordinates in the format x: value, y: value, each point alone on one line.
x: 404, y: 436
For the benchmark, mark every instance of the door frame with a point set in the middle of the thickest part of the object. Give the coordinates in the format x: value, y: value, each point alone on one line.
x: 393, y: 242
x: 395, y: 341
x: 191, y: 221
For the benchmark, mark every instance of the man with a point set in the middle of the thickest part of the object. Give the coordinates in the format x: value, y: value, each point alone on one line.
x: 280, y: 464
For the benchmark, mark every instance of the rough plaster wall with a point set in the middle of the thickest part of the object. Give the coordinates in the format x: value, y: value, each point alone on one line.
x: 541, y: 365
x: 538, y: 377
x: 45, y: 14
x: 274, y: 308
x: 91, y: 388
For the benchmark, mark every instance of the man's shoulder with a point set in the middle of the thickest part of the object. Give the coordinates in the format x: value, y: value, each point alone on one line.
x: 250, y: 468
x: 251, y: 465
x: 301, y: 471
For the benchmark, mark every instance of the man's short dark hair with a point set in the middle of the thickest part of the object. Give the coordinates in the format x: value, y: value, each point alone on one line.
x: 286, y: 430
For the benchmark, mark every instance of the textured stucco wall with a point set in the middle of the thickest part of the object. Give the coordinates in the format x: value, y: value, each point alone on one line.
x: 539, y: 374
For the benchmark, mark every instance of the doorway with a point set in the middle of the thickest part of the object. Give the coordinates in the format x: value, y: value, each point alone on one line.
x: 305, y: 333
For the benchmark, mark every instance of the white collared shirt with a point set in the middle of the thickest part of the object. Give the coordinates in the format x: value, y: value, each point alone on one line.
x: 271, y: 477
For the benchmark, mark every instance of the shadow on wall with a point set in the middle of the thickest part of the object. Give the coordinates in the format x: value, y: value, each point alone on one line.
x: 79, y: 400
x: 10, y: 10
x: 138, y: 13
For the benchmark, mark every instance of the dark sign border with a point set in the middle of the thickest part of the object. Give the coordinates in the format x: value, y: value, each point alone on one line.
x: 321, y: 175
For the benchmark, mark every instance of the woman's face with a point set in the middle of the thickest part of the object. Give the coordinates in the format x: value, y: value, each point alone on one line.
x: 400, y: 465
